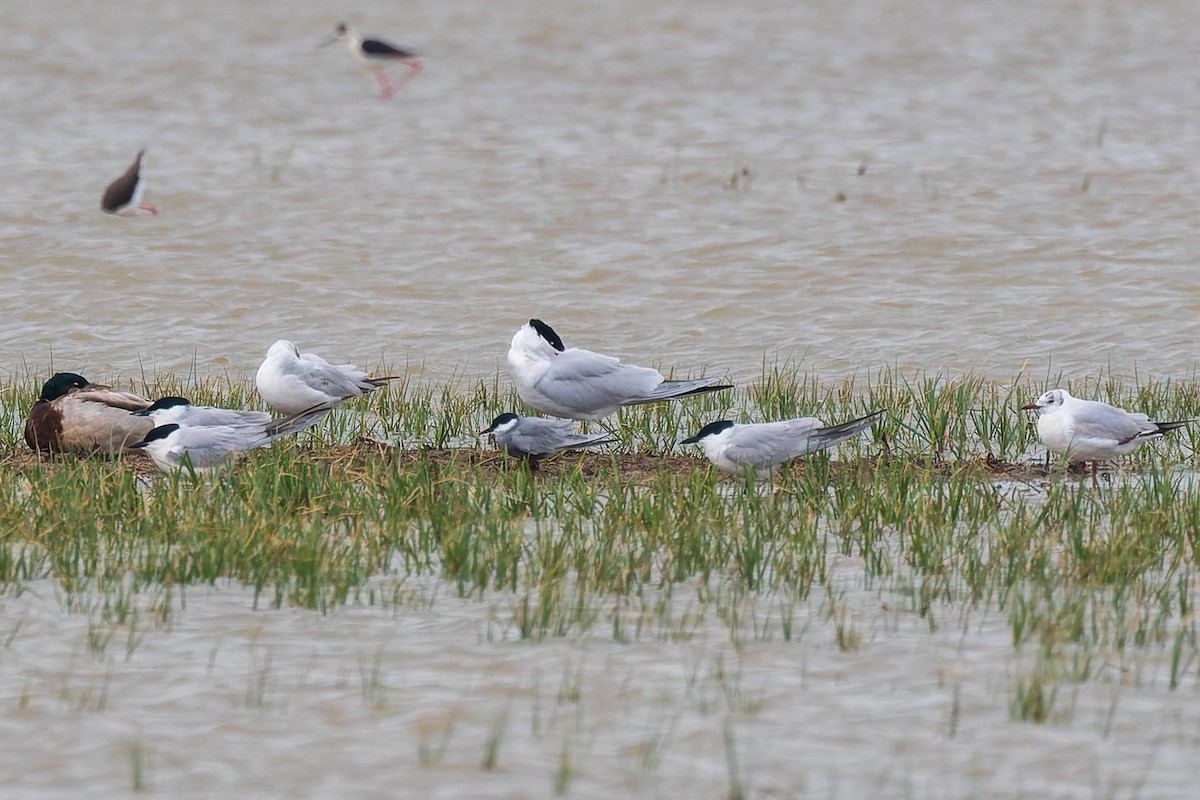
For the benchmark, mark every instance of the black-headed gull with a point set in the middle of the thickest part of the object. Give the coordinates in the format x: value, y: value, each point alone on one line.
x: 1088, y: 430
x: 580, y: 384
x: 291, y: 382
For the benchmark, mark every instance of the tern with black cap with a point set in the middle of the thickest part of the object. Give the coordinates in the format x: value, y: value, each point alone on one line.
x: 760, y: 447
x: 535, y: 438
x: 579, y: 384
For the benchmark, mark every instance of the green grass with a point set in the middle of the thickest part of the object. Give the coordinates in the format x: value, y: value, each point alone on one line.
x: 1080, y: 572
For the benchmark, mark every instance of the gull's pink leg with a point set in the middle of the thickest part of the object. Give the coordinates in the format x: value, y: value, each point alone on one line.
x: 384, y: 86
x: 414, y: 66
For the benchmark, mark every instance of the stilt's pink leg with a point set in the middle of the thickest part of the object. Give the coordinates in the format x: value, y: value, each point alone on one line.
x: 147, y: 207
x: 414, y: 66
x: 384, y: 86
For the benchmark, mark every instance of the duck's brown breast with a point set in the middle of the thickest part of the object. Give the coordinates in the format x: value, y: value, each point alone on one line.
x: 76, y: 424
x: 43, y: 428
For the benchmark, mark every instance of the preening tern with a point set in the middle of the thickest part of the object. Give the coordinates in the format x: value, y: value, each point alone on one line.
x: 580, y: 384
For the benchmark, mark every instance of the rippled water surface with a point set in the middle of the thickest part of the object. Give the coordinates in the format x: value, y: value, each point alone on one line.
x: 408, y: 701
x: 934, y: 185
x: 973, y: 185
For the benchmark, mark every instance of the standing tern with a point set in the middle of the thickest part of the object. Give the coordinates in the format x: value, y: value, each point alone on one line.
x: 761, y: 447
x: 123, y: 196
x: 580, y: 384
x: 291, y: 382
x: 535, y: 438
x: 75, y: 416
x: 374, y: 53
x: 1088, y: 430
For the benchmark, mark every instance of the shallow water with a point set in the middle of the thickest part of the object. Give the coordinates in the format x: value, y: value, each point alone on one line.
x: 934, y: 186
x: 660, y: 182
x: 404, y: 701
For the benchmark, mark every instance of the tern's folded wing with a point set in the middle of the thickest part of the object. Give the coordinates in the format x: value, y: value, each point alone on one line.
x: 207, y: 416
x: 587, y: 380
x: 576, y: 364
x: 828, y: 437
x: 539, y: 436
x: 767, y: 444
x: 206, y: 446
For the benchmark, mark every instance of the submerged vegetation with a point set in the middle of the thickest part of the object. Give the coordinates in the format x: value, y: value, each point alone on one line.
x: 946, y: 511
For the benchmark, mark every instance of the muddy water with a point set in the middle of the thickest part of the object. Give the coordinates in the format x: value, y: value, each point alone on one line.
x: 409, y: 700
x: 975, y: 186
x: 936, y: 186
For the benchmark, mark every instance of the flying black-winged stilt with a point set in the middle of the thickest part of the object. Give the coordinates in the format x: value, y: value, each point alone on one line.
x: 374, y: 53
x: 124, y: 195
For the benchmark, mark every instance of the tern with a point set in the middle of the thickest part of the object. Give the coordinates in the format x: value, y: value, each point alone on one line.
x: 76, y: 416
x: 762, y: 446
x: 124, y: 195
x: 1088, y: 430
x: 535, y: 438
x: 179, y: 410
x: 291, y: 382
x: 373, y: 53
x: 580, y: 384
x: 175, y: 446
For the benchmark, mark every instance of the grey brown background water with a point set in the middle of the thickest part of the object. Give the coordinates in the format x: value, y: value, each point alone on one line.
x: 660, y: 181
x: 1029, y: 188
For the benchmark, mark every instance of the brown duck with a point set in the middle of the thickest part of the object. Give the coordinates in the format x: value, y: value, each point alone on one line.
x: 74, y: 416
